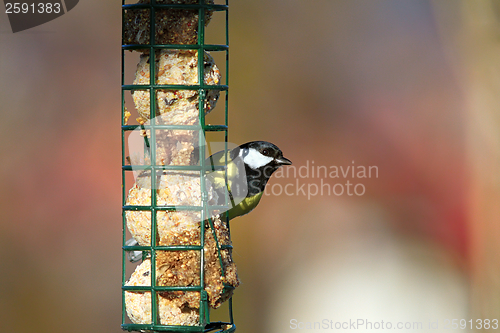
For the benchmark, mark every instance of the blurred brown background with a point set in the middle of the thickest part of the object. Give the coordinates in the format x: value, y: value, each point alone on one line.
x: 411, y: 87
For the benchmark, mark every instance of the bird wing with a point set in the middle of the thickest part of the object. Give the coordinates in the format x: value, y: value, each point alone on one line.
x: 217, y: 177
x: 236, y: 185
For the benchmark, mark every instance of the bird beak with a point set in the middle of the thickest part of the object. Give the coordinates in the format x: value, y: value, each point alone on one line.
x: 283, y: 161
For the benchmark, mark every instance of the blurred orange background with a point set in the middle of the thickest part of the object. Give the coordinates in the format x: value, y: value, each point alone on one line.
x: 411, y: 87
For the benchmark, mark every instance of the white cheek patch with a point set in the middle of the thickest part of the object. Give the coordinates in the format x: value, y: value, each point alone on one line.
x: 254, y: 159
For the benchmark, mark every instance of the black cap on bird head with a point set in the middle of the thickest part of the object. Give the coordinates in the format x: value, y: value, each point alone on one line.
x: 259, y: 154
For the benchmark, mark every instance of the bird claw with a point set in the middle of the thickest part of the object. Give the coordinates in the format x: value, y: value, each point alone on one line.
x: 133, y: 256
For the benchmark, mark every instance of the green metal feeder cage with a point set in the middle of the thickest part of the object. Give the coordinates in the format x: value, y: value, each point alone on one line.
x: 150, y: 252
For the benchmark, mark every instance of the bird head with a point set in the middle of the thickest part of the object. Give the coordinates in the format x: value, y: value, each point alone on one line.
x: 261, y: 155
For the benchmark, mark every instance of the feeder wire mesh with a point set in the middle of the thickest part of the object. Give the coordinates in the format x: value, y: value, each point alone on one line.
x: 205, y: 325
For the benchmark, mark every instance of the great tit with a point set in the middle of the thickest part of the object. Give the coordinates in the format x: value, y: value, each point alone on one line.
x: 249, y: 167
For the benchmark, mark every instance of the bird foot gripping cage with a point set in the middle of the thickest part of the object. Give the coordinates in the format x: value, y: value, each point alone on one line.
x: 178, y: 232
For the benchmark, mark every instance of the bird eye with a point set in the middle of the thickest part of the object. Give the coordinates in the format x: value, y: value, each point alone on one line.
x: 265, y: 152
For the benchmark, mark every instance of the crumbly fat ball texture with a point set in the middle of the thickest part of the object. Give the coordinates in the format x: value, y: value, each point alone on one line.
x: 180, y: 67
x: 175, y: 107
x: 173, y: 188
x: 175, y: 147
x: 182, y: 268
x: 138, y: 304
x: 172, y: 148
x: 172, y: 26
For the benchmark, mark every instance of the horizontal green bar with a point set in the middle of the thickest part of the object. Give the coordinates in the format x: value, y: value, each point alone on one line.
x: 170, y: 248
x: 211, y: 128
x: 218, y: 325
x: 162, y: 328
x: 172, y: 167
x: 215, y: 128
x: 166, y: 207
x: 163, y: 248
x: 214, y: 7
x: 161, y: 208
x: 179, y: 328
x: 174, y: 87
x: 206, y: 47
x: 161, y: 288
x: 163, y: 127
x: 163, y: 167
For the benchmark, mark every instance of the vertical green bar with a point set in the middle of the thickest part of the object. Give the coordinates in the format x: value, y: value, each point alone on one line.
x: 204, y: 319
x: 226, y: 104
x: 152, y: 151
x: 226, y: 108
x: 123, y: 171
